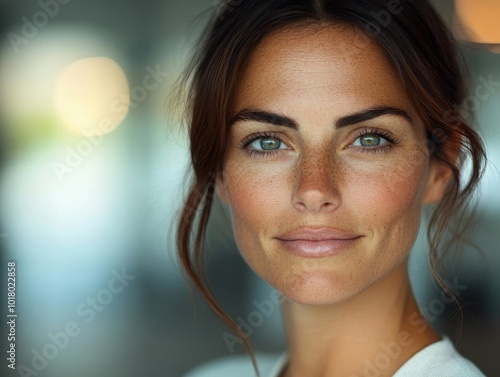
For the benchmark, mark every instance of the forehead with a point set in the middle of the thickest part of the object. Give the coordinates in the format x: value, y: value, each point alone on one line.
x: 334, y: 65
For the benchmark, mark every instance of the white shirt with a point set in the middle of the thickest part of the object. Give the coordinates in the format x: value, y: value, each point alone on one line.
x: 439, y: 359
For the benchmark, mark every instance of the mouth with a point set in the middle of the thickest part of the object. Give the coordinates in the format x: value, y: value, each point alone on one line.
x: 317, y: 249
x: 318, y: 242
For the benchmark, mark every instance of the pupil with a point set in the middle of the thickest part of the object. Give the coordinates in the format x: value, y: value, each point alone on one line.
x: 269, y: 143
x: 370, y: 140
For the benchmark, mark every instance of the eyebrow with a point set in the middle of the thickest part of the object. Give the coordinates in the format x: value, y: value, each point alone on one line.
x: 262, y: 116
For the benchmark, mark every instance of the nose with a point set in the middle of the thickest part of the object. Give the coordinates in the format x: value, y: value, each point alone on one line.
x: 316, y: 183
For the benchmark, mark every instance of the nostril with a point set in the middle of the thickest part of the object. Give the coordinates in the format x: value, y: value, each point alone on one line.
x: 315, y: 200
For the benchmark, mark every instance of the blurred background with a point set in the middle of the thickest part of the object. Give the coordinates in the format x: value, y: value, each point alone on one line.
x: 91, y: 176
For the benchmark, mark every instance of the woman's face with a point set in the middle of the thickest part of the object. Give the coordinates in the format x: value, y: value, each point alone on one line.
x: 324, y: 136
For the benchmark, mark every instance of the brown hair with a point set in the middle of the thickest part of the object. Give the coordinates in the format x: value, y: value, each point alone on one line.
x: 422, y: 51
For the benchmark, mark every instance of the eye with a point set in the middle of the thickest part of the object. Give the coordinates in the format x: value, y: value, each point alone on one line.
x: 263, y: 144
x: 370, y: 140
x: 267, y: 144
x: 373, y: 141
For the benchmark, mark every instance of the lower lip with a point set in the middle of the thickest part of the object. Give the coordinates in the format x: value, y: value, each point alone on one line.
x: 317, y: 249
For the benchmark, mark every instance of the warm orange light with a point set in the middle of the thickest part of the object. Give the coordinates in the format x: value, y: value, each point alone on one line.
x: 478, y: 21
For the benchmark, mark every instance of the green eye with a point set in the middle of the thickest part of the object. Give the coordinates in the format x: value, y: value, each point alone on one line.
x: 268, y: 143
x: 263, y: 144
x: 369, y: 140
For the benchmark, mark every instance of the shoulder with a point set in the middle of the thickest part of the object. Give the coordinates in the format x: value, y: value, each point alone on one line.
x: 439, y: 359
x: 240, y: 365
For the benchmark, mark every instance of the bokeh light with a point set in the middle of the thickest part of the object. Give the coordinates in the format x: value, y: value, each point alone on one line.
x: 477, y: 21
x: 30, y: 76
x: 92, y: 95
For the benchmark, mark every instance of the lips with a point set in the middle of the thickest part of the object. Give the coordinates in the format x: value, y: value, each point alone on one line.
x: 317, y: 234
x: 318, y: 242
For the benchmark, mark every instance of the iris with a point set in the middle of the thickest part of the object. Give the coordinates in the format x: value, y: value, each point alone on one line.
x: 370, y: 140
x: 270, y: 143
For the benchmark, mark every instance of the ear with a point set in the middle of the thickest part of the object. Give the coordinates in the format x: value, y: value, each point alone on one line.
x: 437, y: 181
x: 220, y: 188
x: 440, y: 173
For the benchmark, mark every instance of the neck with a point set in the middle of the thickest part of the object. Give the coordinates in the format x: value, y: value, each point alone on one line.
x: 380, y: 328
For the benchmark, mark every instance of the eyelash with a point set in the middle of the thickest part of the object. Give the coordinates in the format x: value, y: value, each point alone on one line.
x: 259, y: 135
x: 391, y: 141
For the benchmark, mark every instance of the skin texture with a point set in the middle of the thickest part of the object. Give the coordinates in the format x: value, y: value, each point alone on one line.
x: 337, y: 309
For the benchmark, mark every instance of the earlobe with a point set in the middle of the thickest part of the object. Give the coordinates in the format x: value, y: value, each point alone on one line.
x: 437, y: 182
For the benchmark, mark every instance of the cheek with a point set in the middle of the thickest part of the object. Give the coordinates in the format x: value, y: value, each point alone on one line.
x: 255, y: 196
x: 386, y: 201
x: 386, y: 191
x: 252, y: 190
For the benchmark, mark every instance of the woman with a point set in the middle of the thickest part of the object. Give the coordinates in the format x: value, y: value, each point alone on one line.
x: 325, y: 127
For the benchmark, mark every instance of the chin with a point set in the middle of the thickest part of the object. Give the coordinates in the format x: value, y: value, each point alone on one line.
x: 320, y: 288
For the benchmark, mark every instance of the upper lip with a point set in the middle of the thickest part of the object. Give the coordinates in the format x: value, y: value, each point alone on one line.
x: 317, y: 234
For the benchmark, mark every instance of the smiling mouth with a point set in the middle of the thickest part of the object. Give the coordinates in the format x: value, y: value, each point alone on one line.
x: 318, y: 248
x: 316, y: 242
